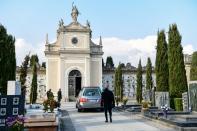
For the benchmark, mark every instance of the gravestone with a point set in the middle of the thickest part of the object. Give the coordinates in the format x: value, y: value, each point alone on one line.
x: 10, y: 106
x: 185, y: 101
x: 14, y: 88
x: 193, y: 95
x: 161, y: 99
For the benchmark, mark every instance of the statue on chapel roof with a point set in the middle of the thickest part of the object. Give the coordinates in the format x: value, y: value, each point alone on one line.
x: 74, y: 13
x: 61, y: 23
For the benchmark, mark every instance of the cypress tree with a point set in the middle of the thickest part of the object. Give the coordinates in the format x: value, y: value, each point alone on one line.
x: 139, y: 83
x: 44, y: 64
x: 7, y: 59
x: 109, y: 62
x: 116, y: 90
x: 33, y: 94
x: 193, y: 69
x: 103, y: 64
x: 177, y: 73
x: 149, y: 79
x: 161, y: 64
x: 33, y: 59
x: 23, y: 74
x: 118, y: 82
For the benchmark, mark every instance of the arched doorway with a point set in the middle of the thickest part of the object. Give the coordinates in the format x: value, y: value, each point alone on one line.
x: 74, y: 84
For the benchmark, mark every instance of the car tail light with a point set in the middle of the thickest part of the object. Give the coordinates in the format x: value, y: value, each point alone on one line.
x: 83, y: 100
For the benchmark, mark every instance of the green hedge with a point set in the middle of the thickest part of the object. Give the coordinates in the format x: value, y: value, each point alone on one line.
x: 178, y: 104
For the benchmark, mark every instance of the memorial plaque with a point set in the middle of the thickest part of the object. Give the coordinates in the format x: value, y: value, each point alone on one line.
x: 15, y: 101
x: 2, y: 122
x: 162, y: 99
x: 185, y: 101
x: 15, y: 111
x: 3, y: 101
x: 2, y: 111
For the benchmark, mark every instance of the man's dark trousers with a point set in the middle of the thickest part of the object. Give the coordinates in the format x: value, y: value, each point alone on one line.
x: 108, y: 109
x: 108, y: 102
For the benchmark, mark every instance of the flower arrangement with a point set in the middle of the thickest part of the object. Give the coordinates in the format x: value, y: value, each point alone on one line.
x: 52, y: 104
x: 145, y: 104
x: 15, y: 123
x: 49, y: 104
x: 165, y: 109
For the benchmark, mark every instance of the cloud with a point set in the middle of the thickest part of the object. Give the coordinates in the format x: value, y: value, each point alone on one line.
x: 188, y: 49
x: 23, y: 48
x: 122, y: 50
x: 130, y: 50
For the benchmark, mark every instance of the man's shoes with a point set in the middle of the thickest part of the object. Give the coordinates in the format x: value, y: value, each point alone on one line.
x: 106, y: 121
x: 111, y: 120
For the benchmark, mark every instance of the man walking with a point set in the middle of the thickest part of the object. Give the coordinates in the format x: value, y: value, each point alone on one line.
x: 59, y: 97
x: 108, y: 102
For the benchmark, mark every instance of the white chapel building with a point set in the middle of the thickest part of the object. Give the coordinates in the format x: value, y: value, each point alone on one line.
x: 73, y: 61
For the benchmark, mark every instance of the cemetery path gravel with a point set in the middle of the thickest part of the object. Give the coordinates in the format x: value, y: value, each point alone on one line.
x: 94, y: 121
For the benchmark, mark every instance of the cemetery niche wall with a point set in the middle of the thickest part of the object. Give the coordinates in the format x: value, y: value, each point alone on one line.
x: 193, y: 95
x: 10, y: 106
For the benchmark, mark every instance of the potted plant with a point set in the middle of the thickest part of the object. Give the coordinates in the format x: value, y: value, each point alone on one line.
x: 49, y: 104
x: 145, y: 105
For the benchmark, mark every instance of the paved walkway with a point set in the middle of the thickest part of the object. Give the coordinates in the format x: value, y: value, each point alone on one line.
x: 94, y: 121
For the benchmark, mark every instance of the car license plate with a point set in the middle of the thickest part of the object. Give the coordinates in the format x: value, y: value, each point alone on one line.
x: 93, y: 100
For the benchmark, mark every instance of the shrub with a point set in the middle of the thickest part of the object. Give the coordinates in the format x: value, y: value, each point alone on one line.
x: 45, y: 104
x: 178, y: 104
x: 145, y: 104
x: 49, y: 104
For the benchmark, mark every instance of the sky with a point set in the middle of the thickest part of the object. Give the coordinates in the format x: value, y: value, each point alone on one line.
x: 128, y: 28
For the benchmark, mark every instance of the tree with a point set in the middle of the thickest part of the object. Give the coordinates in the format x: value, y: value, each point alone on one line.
x: 109, y: 62
x: 33, y: 94
x: 177, y: 73
x: 103, y: 64
x: 149, y: 80
x: 118, y: 82
x: 44, y: 64
x: 7, y: 59
x: 161, y: 65
x: 193, y: 69
x: 23, y: 74
x: 122, y: 65
x: 139, y: 83
x: 33, y: 59
x: 33, y: 63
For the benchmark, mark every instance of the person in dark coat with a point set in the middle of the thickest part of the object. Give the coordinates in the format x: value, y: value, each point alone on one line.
x: 59, y: 95
x: 48, y: 93
x: 108, y: 102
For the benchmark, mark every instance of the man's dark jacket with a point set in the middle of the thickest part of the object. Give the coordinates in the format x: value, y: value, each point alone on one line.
x: 107, y: 98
